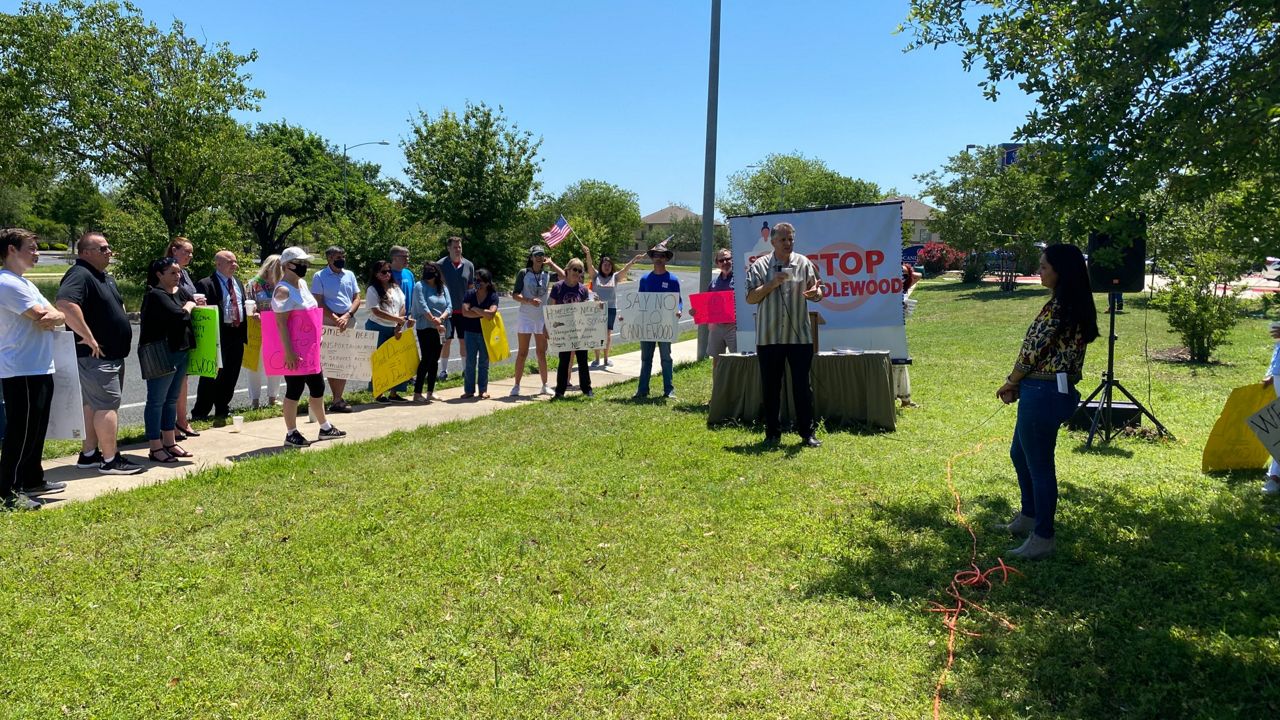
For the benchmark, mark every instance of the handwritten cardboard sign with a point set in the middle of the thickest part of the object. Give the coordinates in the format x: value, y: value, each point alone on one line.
x: 576, y: 326
x: 1266, y: 425
x: 395, y: 362
x: 304, y: 332
x: 713, y: 307
x: 203, y: 359
x: 346, y: 354
x: 647, y: 316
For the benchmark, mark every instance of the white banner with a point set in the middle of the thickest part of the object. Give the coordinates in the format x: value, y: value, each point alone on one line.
x: 856, y: 251
x: 345, y: 355
x: 647, y: 316
x: 66, y: 414
x: 1266, y: 425
x: 576, y: 326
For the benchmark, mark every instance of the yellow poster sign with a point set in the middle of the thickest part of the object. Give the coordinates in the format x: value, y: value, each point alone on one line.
x: 1232, y: 445
x: 253, y: 350
x: 395, y: 362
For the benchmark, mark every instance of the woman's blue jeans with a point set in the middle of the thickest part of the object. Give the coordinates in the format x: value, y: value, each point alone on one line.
x: 1041, y: 410
x: 384, y: 334
x: 477, y: 364
x: 161, y: 411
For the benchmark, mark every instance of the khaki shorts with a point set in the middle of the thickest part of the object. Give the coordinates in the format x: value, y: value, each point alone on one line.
x: 721, y: 338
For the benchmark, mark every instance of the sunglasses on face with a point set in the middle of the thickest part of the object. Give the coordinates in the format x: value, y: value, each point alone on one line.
x: 725, y: 260
x: 104, y: 249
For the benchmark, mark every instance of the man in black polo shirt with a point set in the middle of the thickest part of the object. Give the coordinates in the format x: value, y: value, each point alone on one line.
x: 94, y: 309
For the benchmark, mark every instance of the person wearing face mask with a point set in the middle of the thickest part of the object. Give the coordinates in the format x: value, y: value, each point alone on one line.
x: 337, y: 292
x: 291, y: 294
x: 431, y: 310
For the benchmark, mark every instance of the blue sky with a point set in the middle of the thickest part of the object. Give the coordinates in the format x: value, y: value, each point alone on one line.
x: 617, y: 90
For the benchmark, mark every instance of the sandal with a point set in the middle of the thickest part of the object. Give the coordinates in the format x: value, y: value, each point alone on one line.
x: 176, y: 451
x: 168, y: 457
x: 187, y: 431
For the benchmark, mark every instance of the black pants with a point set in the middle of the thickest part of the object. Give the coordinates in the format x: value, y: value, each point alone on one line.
x: 562, y: 371
x: 773, y: 362
x: 216, y: 392
x: 27, y: 400
x: 429, y: 365
x: 294, y: 384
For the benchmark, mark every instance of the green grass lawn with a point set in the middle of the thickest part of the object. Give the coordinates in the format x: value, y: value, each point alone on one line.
x: 603, y: 558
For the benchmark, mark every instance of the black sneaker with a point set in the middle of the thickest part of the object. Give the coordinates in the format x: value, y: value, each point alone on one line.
x: 84, y: 462
x: 332, y: 433
x: 20, y: 503
x: 295, y: 439
x: 120, y: 465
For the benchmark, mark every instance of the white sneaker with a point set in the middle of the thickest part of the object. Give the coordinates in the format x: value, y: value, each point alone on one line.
x: 433, y: 397
x: 595, y: 364
x: 515, y: 391
x: 546, y: 390
x: 608, y: 363
x: 1271, y: 486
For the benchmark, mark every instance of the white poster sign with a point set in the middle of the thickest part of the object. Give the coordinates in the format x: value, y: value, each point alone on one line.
x: 857, y: 253
x: 1266, y: 425
x: 647, y: 316
x: 66, y: 414
x: 346, y: 355
x: 576, y: 326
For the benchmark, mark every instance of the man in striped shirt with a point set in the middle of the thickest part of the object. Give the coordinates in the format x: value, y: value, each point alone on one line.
x: 779, y: 285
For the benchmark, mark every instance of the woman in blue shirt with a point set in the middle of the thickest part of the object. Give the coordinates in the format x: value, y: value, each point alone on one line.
x: 431, y: 309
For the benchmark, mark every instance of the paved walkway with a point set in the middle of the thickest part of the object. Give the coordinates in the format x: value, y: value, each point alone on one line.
x: 223, y: 446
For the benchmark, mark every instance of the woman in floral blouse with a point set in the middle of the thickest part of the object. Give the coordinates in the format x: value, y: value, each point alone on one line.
x: 1043, y: 382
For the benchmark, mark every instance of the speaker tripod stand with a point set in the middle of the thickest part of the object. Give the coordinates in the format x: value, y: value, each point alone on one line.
x: 1102, y: 417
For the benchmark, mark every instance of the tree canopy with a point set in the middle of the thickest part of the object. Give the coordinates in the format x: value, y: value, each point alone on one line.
x: 1132, y: 95
x: 792, y: 181
x: 473, y: 172
x: 97, y: 86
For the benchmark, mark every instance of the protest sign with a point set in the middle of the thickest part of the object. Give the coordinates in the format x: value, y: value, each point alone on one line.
x: 646, y: 316
x: 304, y: 331
x: 1266, y: 425
x: 713, y: 307
x: 345, y: 354
x: 66, y: 413
x: 395, y: 362
x: 253, y: 349
x: 576, y: 326
x: 1231, y: 445
x: 203, y: 359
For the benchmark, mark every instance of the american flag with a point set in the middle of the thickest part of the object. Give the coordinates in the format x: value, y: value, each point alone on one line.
x: 558, y: 232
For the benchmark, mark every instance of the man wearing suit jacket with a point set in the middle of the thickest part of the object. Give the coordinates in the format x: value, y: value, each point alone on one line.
x: 224, y: 291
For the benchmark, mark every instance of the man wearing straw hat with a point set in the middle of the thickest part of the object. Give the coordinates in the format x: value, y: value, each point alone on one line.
x: 658, y: 280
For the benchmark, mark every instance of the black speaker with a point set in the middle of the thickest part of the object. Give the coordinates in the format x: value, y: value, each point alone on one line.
x: 1117, y: 255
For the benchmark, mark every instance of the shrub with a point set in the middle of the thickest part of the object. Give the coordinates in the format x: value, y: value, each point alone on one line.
x: 975, y: 266
x: 937, y: 257
x: 1200, y: 312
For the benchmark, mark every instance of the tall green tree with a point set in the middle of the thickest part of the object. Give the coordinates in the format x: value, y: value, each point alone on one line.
x: 294, y: 178
x: 792, y: 181
x: 474, y: 172
x: 987, y: 205
x: 604, y: 216
x: 1132, y: 95
x: 96, y: 86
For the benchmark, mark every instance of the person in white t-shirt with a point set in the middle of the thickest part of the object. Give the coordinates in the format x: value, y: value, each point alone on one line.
x: 26, y: 371
x: 532, y: 286
x: 387, y: 315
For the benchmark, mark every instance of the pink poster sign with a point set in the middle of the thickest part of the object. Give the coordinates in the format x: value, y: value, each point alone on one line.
x: 713, y: 307
x: 304, y: 331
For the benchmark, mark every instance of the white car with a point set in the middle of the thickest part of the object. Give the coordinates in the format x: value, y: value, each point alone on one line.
x: 1272, y: 269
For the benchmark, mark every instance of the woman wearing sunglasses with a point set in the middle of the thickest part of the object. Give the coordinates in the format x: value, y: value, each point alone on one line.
x: 386, y: 303
x: 571, y: 290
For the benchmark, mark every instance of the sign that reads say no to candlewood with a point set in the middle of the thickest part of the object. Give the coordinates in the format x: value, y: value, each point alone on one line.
x: 647, y: 316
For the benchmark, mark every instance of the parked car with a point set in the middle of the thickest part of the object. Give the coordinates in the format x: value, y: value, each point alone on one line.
x: 1271, y: 270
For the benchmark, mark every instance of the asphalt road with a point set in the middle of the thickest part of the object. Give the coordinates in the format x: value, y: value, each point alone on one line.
x: 135, y: 389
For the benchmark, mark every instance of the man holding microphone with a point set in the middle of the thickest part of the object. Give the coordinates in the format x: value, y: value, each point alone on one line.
x: 779, y: 284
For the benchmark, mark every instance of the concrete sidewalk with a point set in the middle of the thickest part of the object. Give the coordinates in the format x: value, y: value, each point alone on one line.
x: 222, y: 446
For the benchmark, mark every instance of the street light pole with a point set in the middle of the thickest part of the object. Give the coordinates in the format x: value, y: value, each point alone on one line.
x: 345, y: 162
x: 709, y: 174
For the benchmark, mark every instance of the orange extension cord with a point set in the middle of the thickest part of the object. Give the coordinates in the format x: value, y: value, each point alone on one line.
x: 964, y: 584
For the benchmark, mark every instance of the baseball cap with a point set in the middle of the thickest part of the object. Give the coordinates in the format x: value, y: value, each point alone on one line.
x: 294, y: 254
